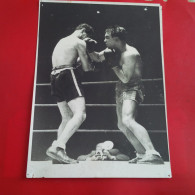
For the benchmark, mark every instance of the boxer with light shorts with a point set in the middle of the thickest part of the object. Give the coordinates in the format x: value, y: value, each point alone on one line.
x: 126, y: 62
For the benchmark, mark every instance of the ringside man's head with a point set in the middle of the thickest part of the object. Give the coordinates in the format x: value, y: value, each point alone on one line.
x: 86, y: 30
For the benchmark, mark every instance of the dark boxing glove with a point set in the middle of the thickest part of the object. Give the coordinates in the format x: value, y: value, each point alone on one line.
x: 90, y: 45
x: 112, y: 58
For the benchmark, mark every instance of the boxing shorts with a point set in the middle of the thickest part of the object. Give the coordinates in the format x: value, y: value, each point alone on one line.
x: 66, y: 83
x: 129, y: 91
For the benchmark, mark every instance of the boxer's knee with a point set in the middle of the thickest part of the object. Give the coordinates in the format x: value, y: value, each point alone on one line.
x: 83, y: 117
x: 128, y: 121
x: 80, y: 116
x: 65, y: 119
x: 121, y: 126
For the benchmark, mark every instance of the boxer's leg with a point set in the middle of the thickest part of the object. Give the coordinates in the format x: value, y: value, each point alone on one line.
x: 77, y: 107
x: 129, y: 108
x: 130, y: 136
x: 66, y: 115
x: 128, y: 119
x: 57, y: 150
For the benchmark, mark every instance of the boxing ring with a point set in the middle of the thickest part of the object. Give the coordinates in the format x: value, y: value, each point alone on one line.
x: 43, y: 137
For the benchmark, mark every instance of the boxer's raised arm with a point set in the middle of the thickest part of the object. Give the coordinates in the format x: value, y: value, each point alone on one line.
x: 90, y: 47
x: 97, y: 56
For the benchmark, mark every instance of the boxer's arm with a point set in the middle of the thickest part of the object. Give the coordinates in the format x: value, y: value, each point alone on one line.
x: 126, y: 72
x: 81, y: 48
x: 97, y: 56
x: 90, y: 47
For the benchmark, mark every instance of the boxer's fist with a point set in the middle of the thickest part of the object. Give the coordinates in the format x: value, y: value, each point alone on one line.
x: 112, y: 58
x: 90, y: 44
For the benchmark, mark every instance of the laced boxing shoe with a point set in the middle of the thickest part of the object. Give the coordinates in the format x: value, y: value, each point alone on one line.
x: 137, y: 158
x: 151, y: 159
x: 60, y: 155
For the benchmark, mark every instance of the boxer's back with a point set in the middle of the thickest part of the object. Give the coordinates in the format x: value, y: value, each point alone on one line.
x: 65, y: 52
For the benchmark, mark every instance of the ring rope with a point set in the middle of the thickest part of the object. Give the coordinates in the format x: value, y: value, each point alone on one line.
x: 94, y: 131
x: 96, y: 105
x: 102, y: 82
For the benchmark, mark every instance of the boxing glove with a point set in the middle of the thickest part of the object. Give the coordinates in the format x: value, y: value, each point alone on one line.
x: 90, y: 45
x: 112, y: 58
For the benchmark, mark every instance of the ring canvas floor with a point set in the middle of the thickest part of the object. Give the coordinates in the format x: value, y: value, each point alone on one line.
x: 97, y: 169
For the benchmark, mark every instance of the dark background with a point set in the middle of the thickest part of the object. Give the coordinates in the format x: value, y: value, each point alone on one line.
x: 141, y: 22
x: 19, y: 21
x: 58, y: 20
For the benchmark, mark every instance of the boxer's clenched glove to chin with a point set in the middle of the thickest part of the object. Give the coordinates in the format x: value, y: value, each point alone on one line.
x: 90, y: 44
x: 112, y: 58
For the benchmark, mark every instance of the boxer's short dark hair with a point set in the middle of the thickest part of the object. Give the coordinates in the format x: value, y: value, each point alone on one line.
x: 88, y: 29
x: 117, y: 31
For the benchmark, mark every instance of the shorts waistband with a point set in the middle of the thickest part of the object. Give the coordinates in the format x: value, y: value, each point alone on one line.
x: 129, y: 85
x: 62, y: 67
x: 58, y: 69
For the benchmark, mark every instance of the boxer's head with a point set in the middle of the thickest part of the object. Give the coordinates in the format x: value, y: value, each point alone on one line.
x: 114, y: 35
x: 85, y: 31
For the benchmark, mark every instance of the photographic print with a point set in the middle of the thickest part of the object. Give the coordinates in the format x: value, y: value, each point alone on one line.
x: 99, y: 102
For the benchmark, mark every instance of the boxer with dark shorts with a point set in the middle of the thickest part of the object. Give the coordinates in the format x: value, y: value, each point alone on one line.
x: 66, y: 87
x: 126, y: 63
x: 66, y: 84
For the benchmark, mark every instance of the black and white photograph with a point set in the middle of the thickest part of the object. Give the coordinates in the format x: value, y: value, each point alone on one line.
x: 99, y: 98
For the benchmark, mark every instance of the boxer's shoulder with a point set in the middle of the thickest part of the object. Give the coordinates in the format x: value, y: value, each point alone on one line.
x: 79, y: 43
x: 72, y: 40
x: 131, y: 51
